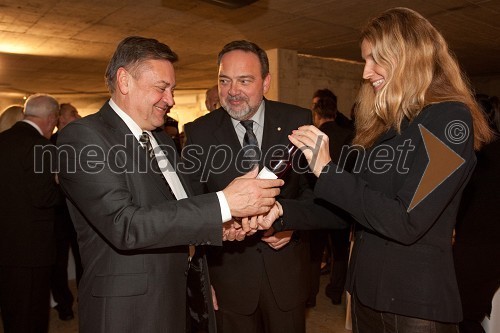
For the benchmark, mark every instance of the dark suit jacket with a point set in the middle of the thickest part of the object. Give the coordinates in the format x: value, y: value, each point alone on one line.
x: 237, y: 269
x: 132, y: 234
x: 402, y: 261
x: 28, y: 199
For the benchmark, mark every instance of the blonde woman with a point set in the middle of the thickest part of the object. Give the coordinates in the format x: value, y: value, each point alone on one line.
x: 414, y: 103
x: 10, y: 116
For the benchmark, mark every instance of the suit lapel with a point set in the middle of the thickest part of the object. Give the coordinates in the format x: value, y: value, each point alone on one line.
x: 274, y: 128
x: 225, y: 135
x: 133, y: 148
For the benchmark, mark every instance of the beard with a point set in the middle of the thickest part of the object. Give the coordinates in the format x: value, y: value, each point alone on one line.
x: 245, y: 110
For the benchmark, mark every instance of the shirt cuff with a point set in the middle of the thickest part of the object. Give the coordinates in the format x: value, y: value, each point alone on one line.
x: 224, y: 207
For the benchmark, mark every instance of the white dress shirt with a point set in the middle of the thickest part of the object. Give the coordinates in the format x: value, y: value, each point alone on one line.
x: 166, y: 168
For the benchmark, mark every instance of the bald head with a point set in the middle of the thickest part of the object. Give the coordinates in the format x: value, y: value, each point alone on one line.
x: 67, y: 114
x: 212, y: 98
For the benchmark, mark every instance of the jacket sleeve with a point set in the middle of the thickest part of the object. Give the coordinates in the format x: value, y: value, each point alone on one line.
x: 389, y: 215
x: 110, y: 199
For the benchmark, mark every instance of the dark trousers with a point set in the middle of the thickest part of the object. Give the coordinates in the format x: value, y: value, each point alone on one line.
x: 267, y: 318
x: 25, y: 299
x: 368, y: 320
x: 338, y: 243
x: 59, y: 280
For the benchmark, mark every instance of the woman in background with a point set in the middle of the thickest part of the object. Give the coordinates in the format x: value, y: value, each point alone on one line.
x: 10, y: 116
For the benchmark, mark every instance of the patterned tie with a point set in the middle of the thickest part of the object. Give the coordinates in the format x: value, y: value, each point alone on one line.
x: 250, y: 144
x: 145, y: 140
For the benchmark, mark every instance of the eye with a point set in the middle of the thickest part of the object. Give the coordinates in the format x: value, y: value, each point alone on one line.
x: 223, y: 81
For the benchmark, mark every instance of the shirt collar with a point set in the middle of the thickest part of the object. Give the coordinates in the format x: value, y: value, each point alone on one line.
x: 131, y: 124
x: 34, y: 125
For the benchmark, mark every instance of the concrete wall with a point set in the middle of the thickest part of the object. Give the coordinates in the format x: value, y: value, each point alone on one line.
x: 295, y: 78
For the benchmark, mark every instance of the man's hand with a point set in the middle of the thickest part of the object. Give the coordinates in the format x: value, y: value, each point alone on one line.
x: 247, y: 196
x: 277, y: 240
x: 232, y: 230
x: 314, y: 144
x: 266, y: 221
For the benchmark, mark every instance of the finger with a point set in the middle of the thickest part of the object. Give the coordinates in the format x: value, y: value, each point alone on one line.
x: 214, y: 299
x: 240, y: 235
x: 270, y: 183
x: 245, y: 224
x: 231, y: 234
x: 253, y: 223
x: 270, y: 239
x: 251, y: 232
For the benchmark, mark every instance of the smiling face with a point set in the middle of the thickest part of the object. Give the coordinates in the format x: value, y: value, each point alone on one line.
x: 148, y: 92
x: 372, y: 71
x: 241, y: 86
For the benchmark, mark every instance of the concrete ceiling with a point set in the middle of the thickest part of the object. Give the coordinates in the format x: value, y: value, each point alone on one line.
x: 62, y: 47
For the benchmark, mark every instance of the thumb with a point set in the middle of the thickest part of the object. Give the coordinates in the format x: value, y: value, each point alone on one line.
x: 269, y: 232
x: 252, y: 173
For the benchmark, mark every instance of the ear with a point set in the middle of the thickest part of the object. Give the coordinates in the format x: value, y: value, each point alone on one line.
x: 123, y: 80
x: 267, y: 83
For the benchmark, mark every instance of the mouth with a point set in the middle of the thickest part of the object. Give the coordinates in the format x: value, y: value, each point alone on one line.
x: 378, y: 84
x: 162, y: 109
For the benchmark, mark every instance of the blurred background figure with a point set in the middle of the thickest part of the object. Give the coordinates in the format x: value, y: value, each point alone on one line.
x: 10, y: 116
x: 171, y: 127
x: 212, y: 99
x: 340, y: 132
x: 476, y: 250
x: 65, y: 237
x: 30, y: 195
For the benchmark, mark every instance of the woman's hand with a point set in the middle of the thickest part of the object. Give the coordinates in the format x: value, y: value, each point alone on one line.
x: 315, y: 146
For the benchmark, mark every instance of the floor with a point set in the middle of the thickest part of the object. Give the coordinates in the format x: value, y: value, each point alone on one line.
x: 323, y: 318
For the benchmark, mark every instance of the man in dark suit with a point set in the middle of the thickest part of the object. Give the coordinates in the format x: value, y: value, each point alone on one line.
x: 261, y: 283
x: 65, y: 237
x: 130, y: 206
x: 29, y: 197
x: 340, y: 132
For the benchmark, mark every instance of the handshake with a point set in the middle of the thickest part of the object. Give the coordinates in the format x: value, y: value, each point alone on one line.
x: 253, y: 207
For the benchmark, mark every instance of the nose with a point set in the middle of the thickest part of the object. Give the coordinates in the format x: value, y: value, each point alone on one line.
x: 168, y: 98
x: 233, y: 89
x: 367, y: 72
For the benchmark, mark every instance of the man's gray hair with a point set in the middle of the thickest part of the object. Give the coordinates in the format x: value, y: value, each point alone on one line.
x: 40, y: 105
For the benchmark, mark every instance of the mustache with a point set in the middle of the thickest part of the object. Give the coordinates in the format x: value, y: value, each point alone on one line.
x: 235, y: 98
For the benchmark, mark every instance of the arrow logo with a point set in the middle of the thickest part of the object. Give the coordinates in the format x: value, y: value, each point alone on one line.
x: 443, y: 162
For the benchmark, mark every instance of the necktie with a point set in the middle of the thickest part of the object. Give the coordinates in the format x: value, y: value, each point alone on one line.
x: 145, y: 140
x: 250, y: 145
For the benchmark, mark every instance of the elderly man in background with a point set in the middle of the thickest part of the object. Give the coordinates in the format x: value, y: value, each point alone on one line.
x: 65, y: 237
x: 29, y: 197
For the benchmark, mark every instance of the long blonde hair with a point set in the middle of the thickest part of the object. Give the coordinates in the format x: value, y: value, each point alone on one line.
x: 421, y: 70
x: 10, y: 116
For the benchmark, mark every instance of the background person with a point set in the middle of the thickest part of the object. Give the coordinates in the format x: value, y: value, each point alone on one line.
x: 10, y: 115
x: 476, y: 248
x: 65, y: 237
x: 212, y: 98
x: 29, y: 198
x: 340, y: 132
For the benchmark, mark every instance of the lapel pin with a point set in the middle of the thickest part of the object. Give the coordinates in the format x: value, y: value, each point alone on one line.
x: 279, y: 129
